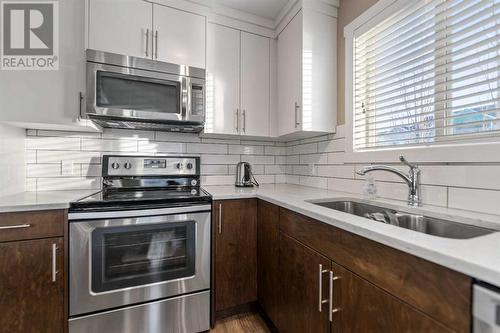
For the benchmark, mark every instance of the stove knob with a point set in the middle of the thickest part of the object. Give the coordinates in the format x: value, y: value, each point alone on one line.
x: 115, y: 165
x: 189, y: 166
x: 178, y: 166
x: 127, y: 166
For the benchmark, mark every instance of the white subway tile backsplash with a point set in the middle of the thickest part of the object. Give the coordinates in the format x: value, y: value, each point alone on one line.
x: 258, y: 159
x: 313, y: 159
x: 43, y: 170
x: 127, y: 134
x: 275, y: 151
x: 337, y: 171
x: 214, y: 169
x: 485, y: 201
x: 55, y: 156
x: 52, y: 143
x: 332, y: 146
x: 246, y: 149
x: 176, y: 137
x: 110, y: 145
x: 161, y: 147
x: 72, y: 160
x: 201, y: 148
x: 220, y: 159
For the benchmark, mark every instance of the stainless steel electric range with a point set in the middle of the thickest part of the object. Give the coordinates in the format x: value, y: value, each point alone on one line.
x: 140, y: 249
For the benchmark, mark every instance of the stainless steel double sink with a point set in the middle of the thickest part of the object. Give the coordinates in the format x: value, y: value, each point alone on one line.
x: 421, y: 223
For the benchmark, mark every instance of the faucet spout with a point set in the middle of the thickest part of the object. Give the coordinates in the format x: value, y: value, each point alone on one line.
x: 412, y: 179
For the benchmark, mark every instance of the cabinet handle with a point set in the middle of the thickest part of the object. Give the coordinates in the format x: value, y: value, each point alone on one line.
x: 297, y: 107
x: 54, y: 262
x: 147, y: 42
x: 219, y: 224
x: 331, y: 310
x: 17, y: 226
x: 237, y: 125
x: 244, y: 121
x: 321, y: 301
x: 156, y: 44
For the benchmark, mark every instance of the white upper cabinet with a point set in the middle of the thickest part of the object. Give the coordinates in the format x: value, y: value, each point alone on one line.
x: 49, y: 99
x: 290, y: 77
x: 255, y: 80
x: 238, y: 82
x: 179, y: 36
x: 123, y: 27
x: 307, y: 73
x: 142, y: 29
x: 223, y: 80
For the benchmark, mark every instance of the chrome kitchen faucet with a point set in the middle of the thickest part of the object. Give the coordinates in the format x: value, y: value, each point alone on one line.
x: 412, y: 178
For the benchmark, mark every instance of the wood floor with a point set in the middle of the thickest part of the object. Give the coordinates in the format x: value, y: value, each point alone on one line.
x: 241, y: 323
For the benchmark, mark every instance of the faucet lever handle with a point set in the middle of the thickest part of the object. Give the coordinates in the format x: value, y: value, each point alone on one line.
x: 405, y: 162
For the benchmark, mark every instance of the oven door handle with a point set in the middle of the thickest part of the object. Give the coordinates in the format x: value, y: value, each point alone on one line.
x: 137, y: 213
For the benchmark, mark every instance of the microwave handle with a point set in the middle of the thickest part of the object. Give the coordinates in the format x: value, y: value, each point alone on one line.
x: 185, y: 97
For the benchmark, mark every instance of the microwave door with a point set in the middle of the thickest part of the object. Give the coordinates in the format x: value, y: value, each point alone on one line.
x: 122, y: 92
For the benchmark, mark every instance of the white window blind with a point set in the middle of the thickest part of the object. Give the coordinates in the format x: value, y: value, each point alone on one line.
x: 428, y: 74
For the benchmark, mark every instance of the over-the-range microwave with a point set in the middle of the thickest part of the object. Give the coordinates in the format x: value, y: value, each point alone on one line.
x: 131, y: 92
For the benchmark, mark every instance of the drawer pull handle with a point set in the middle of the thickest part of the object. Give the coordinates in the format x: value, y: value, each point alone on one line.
x: 17, y: 226
x: 331, y: 310
x: 321, y: 301
x: 54, y: 262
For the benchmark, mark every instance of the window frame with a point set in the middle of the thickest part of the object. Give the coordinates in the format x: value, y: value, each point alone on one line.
x: 476, y: 149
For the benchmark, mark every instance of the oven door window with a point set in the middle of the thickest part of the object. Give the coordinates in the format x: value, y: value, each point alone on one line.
x: 128, y: 92
x: 135, y: 255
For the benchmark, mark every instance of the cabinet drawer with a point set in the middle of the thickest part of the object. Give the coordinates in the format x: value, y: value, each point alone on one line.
x: 441, y: 293
x: 31, y: 225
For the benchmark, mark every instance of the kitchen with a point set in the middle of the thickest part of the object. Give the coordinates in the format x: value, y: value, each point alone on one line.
x: 249, y: 166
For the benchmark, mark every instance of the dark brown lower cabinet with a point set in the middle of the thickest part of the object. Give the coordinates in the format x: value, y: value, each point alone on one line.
x: 31, y: 296
x: 300, y: 296
x: 269, y: 276
x: 363, y: 307
x: 234, y: 225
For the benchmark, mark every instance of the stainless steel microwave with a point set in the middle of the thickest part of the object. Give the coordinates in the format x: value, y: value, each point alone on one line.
x: 130, y: 92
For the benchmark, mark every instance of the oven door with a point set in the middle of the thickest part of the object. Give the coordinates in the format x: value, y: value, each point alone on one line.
x: 114, y: 91
x: 122, y: 261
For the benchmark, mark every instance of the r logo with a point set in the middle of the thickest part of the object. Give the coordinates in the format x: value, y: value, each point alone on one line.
x: 29, y: 34
x: 28, y: 29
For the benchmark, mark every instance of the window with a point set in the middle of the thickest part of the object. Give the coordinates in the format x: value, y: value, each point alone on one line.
x: 427, y: 74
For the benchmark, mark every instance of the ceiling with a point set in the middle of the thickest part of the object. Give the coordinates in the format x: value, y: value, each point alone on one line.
x: 268, y: 9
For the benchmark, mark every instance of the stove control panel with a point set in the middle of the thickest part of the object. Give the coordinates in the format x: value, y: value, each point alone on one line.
x: 150, y: 166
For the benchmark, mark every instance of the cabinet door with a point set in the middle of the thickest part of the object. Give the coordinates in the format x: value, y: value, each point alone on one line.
x: 30, y: 299
x: 268, y: 274
x: 121, y: 27
x: 367, y: 308
x: 290, y: 77
x: 255, y: 80
x: 235, y: 230
x: 50, y: 98
x: 179, y: 36
x: 223, y: 80
x: 300, y: 296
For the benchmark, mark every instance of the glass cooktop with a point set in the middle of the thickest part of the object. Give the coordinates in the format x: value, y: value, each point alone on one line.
x: 119, y: 198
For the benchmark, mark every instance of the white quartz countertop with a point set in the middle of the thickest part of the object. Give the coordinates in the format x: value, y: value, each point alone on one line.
x: 46, y: 200
x: 477, y: 257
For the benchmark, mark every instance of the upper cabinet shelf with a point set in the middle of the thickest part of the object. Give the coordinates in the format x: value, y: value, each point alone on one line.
x: 147, y: 30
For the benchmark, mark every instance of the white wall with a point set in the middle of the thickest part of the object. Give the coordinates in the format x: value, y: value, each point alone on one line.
x: 58, y: 160
x: 470, y: 186
x: 12, y: 164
